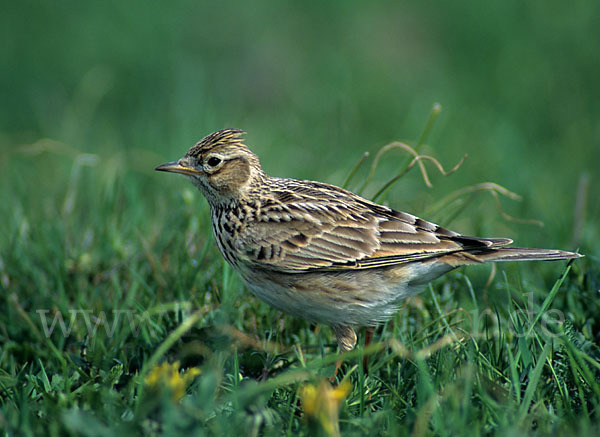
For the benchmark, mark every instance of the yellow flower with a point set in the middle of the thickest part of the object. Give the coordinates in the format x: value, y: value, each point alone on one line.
x: 322, y: 403
x: 168, y: 375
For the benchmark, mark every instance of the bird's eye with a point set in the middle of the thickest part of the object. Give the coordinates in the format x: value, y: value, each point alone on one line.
x: 213, y: 161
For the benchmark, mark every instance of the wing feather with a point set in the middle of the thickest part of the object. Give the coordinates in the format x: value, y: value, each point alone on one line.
x: 322, y: 227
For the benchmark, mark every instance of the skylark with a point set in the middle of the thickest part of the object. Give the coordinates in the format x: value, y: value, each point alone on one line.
x: 320, y: 252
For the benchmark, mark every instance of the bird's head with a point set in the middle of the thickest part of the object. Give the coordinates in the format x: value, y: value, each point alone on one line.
x: 220, y: 166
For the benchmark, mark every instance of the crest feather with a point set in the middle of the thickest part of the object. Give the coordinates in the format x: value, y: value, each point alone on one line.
x: 221, y: 137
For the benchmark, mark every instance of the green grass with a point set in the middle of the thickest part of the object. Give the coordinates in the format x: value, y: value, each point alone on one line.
x: 130, y: 292
x: 96, y: 97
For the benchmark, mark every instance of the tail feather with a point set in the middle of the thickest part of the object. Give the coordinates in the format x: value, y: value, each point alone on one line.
x: 523, y: 254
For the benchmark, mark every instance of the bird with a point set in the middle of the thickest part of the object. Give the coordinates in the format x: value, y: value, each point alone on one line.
x: 320, y: 252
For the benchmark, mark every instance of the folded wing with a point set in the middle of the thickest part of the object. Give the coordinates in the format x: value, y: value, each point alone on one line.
x: 328, y: 228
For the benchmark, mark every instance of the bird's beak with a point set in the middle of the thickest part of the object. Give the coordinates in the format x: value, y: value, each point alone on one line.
x: 178, y: 167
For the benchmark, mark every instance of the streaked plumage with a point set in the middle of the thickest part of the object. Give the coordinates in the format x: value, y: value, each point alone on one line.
x: 321, y: 252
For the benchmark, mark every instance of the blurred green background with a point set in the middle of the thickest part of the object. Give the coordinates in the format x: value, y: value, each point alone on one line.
x: 315, y: 84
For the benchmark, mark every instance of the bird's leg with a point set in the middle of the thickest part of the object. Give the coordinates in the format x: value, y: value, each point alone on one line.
x: 368, y: 338
x: 346, y: 338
